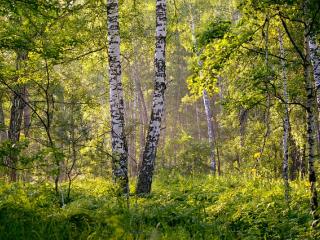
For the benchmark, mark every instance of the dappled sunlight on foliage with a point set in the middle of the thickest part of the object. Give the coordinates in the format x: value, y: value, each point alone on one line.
x: 180, y: 207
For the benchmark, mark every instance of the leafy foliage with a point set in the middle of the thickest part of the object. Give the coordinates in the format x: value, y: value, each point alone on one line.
x: 230, y: 207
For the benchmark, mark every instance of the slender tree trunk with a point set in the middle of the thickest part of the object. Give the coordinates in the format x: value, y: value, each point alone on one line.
x: 207, y: 107
x: 143, y: 114
x: 198, y: 122
x: 3, y: 132
x: 119, y: 143
x: 142, y: 139
x: 217, y: 133
x: 132, y: 143
x: 285, y: 163
x: 73, y: 154
x: 294, y: 155
x: 16, y: 117
x: 208, y: 111
x: 310, y: 132
x: 268, y: 102
x: 26, y: 112
x: 315, y: 60
x: 149, y: 155
x: 302, y: 165
x: 243, y: 119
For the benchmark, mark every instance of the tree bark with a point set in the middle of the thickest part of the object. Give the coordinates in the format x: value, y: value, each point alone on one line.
x: 118, y: 138
x: 3, y: 132
x: 132, y: 141
x: 26, y: 112
x: 294, y: 154
x: 16, y: 116
x: 216, y: 128
x: 142, y: 140
x: 143, y: 114
x: 243, y: 119
x: 208, y: 111
x: 314, y: 57
x: 285, y: 163
x: 149, y: 155
x: 310, y: 131
x: 315, y: 60
x: 302, y: 164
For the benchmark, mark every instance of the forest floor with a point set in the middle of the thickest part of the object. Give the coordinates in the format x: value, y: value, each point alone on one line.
x: 194, y: 207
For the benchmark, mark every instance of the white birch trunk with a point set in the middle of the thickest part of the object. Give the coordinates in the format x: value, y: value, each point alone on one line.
x: 285, y: 163
x: 206, y: 103
x: 310, y: 133
x: 119, y: 143
x: 149, y: 155
x: 315, y: 59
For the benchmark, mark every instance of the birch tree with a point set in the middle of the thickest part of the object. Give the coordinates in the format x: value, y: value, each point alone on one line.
x: 309, y: 107
x: 285, y: 163
x: 206, y: 103
x: 209, y: 116
x: 310, y: 133
x: 314, y: 55
x: 149, y: 155
x: 118, y: 138
x: 309, y: 62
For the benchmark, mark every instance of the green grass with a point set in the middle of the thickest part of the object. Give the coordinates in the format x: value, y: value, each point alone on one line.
x: 230, y: 207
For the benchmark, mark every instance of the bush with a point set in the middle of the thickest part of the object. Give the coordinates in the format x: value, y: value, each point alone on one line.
x: 197, y: 207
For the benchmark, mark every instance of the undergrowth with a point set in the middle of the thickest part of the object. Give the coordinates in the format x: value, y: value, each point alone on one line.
x: 229, y: 207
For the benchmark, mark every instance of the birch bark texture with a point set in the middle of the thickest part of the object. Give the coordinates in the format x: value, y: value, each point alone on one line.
x: 286, y: 123
x: 118, y: 138
x: 310, y: 132
x: 206, y: 102
x: 315, y: 60
x: 157, y: 112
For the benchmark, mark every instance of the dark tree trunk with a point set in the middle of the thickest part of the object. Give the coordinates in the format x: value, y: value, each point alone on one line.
x: 16, y: 114
x: 26, y: 112
x: 3, y: 132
